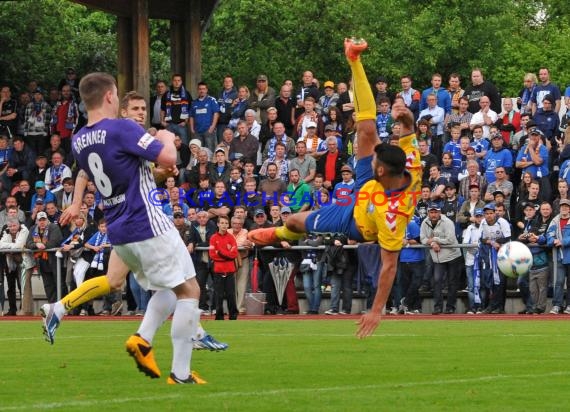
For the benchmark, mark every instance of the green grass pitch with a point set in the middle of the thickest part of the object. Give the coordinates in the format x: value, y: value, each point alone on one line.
x: 287, y: 365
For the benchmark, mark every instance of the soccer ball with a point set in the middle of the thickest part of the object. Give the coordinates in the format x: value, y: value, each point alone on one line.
x: 514, y: 259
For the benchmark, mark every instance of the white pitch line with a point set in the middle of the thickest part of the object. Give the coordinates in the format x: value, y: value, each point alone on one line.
x: 489, y: 378
x: 87, y: 403
x: 258, y: 393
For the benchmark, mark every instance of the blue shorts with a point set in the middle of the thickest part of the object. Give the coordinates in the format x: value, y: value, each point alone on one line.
x: 337, y: 218
x: 363, y: 172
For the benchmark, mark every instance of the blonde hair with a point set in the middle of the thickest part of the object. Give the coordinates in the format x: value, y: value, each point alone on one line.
x: 531, y: 77
x: 246, y: 89
x: 73, y: 226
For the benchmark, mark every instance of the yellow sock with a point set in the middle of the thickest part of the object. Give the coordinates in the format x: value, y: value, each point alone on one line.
x: 90, y: 289
x: 286, y: 234
x: 364, y: 103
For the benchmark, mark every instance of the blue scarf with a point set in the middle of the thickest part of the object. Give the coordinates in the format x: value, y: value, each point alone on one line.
x: 38, y: 107
x: 71, y: 115
x: 5, y: 156
x: 100, y: 239
x: 476, y: 279
x: 525, y: 99
x: 490, y: 269
x: 272, y: 143
x: 91, y: 211
x: 284, y: 170
x: 56, y: 173
x: 184, y: 103
x: 75, y: 236
x: 494, y: 266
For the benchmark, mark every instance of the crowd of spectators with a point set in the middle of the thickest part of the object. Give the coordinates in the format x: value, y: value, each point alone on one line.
x: 258, y: 155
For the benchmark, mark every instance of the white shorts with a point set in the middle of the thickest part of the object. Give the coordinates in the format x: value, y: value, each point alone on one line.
x: 161, y: 262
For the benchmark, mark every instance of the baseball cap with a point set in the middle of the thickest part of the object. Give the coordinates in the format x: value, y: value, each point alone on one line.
x: 262, y: 77
x: 497, y: 135
x: 197, y: 142
x: 434, y: 206
x: 219, y: 149
x: 259, y: 212
x: 311, y: 124
x: 537, y: 132
x: 498, y: 192
x: 489, y: 206
x: 285, y: 209
x: 450, y: 185
x: 41, y: 215
x: 329, y: 127
x: 346, y: 168
x: 40, y: 184
x: 329, y: 84
x: 564, y: 202
x: 177, y: 215
x: 478, y: 212
x: 528, y: 204
x: 38, y: 90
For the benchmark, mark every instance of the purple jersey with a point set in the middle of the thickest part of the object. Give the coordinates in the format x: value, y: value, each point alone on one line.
x: 115, y: 153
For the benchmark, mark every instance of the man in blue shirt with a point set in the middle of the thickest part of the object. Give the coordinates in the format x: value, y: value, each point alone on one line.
x: 443, y: 97
x: 533, y: 158
x: 543, y: 89
x: 498, y: 156
x: 226, y: 100
x: 204, y: 115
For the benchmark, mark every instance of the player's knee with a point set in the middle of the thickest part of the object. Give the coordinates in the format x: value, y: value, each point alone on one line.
x: 296, y: 223
x: 188, y: 290
x: 115, y: 282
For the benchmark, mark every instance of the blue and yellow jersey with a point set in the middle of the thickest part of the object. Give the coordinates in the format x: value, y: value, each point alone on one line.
x: 382, y: 215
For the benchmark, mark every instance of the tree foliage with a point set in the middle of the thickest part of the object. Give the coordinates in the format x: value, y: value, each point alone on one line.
x: 284, y: 37
x: 40, y: 38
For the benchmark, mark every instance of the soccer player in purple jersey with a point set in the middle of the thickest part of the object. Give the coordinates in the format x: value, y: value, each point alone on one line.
x: 116, y: 155
x: 133, y: 106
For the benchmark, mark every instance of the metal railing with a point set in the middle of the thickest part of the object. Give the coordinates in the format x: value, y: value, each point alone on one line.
x: 269, y: 248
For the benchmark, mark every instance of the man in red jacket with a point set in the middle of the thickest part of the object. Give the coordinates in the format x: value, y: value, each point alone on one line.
x: 223, y: 252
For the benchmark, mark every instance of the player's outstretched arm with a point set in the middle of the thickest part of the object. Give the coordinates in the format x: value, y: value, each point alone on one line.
x: 369, y: 322
x: 73, y: 210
